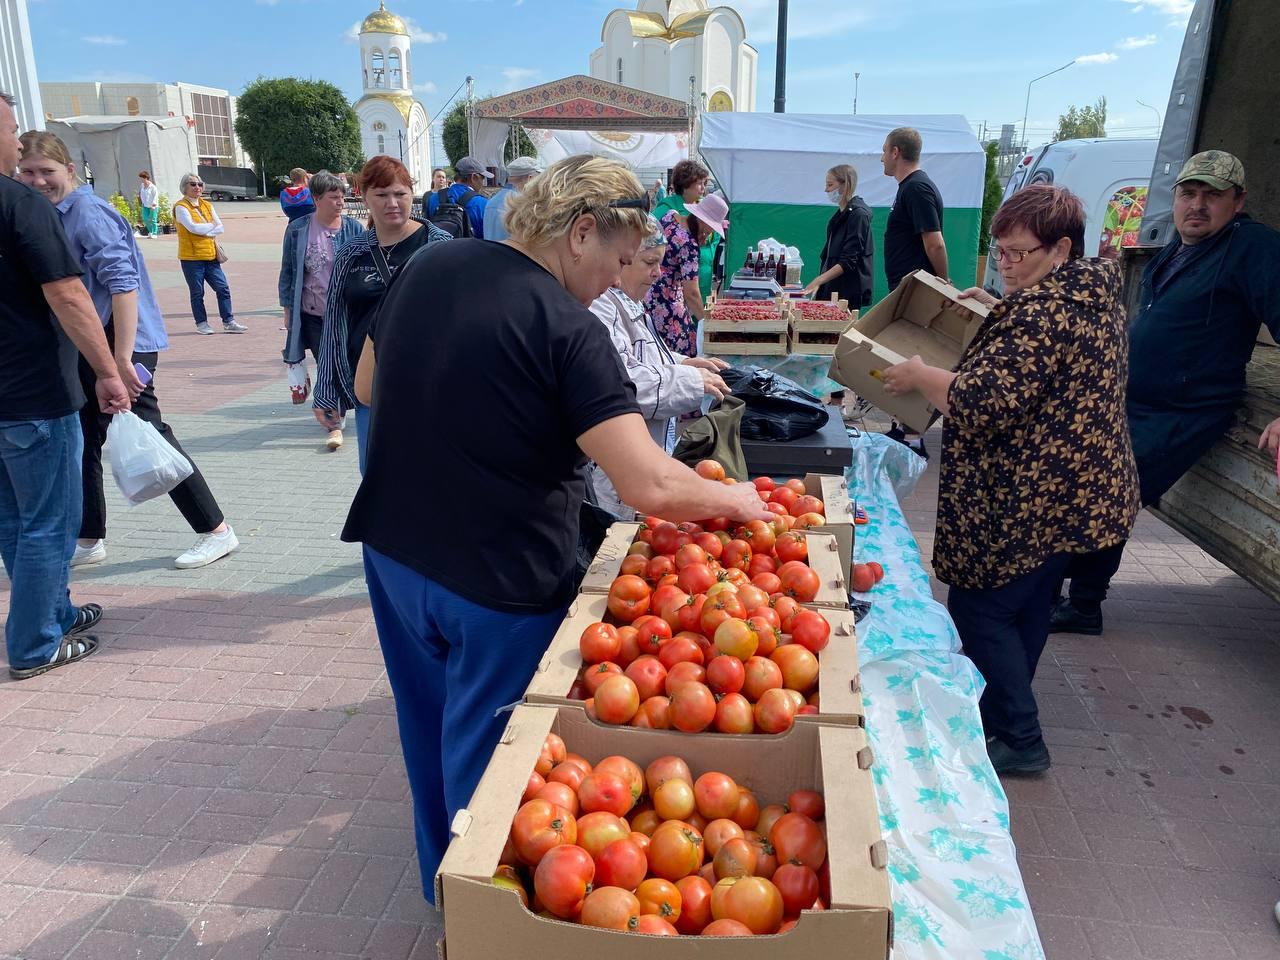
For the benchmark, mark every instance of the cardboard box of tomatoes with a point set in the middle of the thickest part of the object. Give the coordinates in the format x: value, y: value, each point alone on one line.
x: 824, y: 555
x: 485, y: 918
x: 838, y: 685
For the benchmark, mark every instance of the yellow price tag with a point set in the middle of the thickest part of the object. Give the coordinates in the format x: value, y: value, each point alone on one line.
x: 878, y: 374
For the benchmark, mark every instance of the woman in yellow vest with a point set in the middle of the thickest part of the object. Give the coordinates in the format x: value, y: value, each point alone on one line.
x: 198, y: 224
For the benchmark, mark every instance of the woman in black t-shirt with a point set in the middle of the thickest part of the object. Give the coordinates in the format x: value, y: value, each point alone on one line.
x: 489, y: 403
x: 362, y: 273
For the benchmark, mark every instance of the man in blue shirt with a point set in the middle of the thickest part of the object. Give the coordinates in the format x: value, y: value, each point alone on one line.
x: 520, y: 171
x: 469, y: 177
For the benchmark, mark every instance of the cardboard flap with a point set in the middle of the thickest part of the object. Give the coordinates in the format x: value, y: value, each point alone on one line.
x: 852, y: 821
x: 608, y: 558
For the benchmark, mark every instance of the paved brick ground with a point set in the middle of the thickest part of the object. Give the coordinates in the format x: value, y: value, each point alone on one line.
x: 223, y: 780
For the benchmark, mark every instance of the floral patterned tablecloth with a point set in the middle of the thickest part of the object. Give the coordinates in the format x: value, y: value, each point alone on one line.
x: 956, y: 887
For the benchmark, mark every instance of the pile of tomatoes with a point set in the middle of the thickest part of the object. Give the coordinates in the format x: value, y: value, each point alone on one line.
x: 865, y: 576
x: 658, y: 851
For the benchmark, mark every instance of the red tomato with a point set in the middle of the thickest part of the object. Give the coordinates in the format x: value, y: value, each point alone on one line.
x: 569, y: 774
x: 768, y: 817
x: 605, y: 791
x: 797, y: 485
x: 674, y: 800
x: 628, y: 598
x: 710, y: 545
x: 710, y: 470
x: 628, y: 645
x: 678, y: 650
x: 675, y: 851
x: 599, y: 642
x: 808, y: 802
x: 659, y: 567
x: 684, y: 671
x: 649, y: 676
x: 799, y: 668
x: 539, y: 826
x: 536, y: 783
x: 610, y: 908
x: 597, y: 830
x: 665, y: 538
x: 716, y: 610
x: 654, y: 714
x: 717, y: 795
x: 775, y: 712
x: 798, y: 840
x: 863, y: 578
x: 717, y: 832
x: 695, y: 906
x: 690, y: 553
x: 806, y: 504
x: 784, y: 497
x: 660, y: 898
x: 800, y: 581
x: 778, y: 510
x: 733, y: 712
x: 695, y: 578
x: 726, y: 928
x: 597, y: 674
x: 736, y: 858
x: 798, y: 886
x: 725, y: 675
x: 693, y: 707
x: 664, y: 769
x: 877, y: 570
x: 748, y: 813
x: 655, y: 926
x: 811, y: 630
x: 752, y: 901
x: 807, y: 521
x: 737, y: 553
x: 690, y: 615
x: 633, y: 565
x: 623, y: 864
x: 653, y: 633
x: 761, y: 563
x: 760, y: 535
x: 617, y: 700
x: 561, y: 794
x: 764, y: 483
x: 735, y: 638
x: 792, y: 545
x: 767, y: 635
x: 563, y: 878
x: 751, y: 596
x: 762, y: 675
x: 645, y: 823
x: 786, y: 608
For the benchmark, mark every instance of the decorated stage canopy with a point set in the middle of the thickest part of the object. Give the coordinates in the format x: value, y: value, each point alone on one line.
x: 574, y: 103
x: 772, y: 168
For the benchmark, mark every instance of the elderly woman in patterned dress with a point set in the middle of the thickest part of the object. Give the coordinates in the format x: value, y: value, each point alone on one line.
x: 675, y: 302
x: 1037, y: 463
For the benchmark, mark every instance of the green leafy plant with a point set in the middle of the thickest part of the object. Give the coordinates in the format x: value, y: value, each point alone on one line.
x: 121, y: 206
x: 991, y: 194
x: 165, y: 216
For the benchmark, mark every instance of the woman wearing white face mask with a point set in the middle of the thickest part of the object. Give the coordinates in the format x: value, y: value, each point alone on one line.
x: 847, y: 256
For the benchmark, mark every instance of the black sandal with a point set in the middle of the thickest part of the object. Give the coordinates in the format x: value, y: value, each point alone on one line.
x: 71, y: 650
x: 86, y: 617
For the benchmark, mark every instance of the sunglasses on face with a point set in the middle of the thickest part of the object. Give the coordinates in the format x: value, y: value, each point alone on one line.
x: 195, y: 183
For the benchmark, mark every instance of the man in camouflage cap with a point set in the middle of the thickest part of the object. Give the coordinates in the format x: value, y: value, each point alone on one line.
x: 1202, y: 300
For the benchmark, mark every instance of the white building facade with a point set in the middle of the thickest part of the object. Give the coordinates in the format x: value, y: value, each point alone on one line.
x: 18, y: 64
x: 392, y: 121
x: 662, y: 43
x: 209, y: 111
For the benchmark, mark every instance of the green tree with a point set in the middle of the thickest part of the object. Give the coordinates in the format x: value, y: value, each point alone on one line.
x: 284, y: 122
x: 1083, y: 121
x: 991, y: 194
x: 454, y: 135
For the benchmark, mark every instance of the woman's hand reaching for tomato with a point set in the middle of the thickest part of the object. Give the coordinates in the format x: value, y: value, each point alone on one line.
x: 743, y: 503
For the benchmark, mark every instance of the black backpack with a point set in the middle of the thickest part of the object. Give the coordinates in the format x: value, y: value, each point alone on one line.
x: 451, y: 215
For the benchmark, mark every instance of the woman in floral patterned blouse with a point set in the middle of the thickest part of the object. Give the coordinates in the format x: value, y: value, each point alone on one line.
x: 674, y: 303
x: 1037, y: 463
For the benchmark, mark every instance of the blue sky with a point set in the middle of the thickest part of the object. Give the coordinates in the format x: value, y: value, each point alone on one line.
x: 972, y: 57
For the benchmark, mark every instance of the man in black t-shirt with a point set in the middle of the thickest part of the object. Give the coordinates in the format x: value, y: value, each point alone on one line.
x: 913, y: 237
x: 40, y: 439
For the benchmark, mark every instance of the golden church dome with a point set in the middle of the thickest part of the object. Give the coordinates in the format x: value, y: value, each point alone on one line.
x: 383, y: 21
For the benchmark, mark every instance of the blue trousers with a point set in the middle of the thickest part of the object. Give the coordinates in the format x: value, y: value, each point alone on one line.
x: 451, y: 664
x: 40, y: 504
x: 197, y: 274
x: 1004, y: 631
x: 362, y: 435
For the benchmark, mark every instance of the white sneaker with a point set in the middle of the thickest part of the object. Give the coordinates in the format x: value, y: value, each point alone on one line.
x: 204, y: 330
x: 234, y: 326
x: 94, y: 554
x: 210, y: 547
x: 335, y: 439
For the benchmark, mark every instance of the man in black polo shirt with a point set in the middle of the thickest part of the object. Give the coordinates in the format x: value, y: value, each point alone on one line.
x: 913, y: 236
x: 40, y: 439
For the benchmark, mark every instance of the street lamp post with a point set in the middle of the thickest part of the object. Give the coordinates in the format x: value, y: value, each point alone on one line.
x: 856, y: 76
x: 1026, y: 109
x: 1159, y: 118
x: 780, y: 69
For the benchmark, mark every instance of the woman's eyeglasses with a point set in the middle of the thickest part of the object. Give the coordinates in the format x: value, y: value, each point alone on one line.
x: 1013, y: 256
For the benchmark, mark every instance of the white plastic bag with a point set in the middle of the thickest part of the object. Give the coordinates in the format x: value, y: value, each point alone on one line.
x: 144, y: 465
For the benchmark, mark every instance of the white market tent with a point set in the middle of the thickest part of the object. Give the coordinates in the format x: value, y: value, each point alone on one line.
x: 116, y: 148
x: 772, y: 167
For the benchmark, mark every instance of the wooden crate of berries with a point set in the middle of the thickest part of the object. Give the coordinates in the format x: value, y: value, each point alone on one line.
x: 816, y: 325
x: 746, y: 327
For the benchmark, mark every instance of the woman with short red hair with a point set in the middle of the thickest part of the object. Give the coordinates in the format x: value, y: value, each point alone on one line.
x: 1036, y: 462
x: 362, y: 273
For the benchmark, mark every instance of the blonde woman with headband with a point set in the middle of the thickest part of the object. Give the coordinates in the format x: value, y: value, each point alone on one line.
x: 667, y: 384
x: 849, y: 250
x: 486, y: 407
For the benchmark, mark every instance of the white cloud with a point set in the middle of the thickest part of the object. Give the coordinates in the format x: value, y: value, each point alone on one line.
x: 1137, y: 43
x: 513, y: 78
x: 427, y: 87
x: 1094, y: 58
x: 105, y: 40
x: 1178, y: 9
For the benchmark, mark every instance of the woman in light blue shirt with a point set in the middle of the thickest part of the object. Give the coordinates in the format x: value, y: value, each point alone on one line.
x: 117, y: 281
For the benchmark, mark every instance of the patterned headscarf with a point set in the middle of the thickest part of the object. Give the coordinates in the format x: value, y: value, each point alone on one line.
x: 653, y: 237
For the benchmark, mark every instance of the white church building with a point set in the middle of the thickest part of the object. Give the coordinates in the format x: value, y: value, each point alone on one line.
x: 662, y: 43
x: 392, y: 121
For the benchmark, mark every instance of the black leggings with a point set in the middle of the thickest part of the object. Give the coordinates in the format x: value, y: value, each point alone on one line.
x: 192, y: 497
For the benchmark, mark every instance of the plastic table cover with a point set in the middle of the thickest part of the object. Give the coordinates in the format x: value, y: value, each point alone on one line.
x: 956, y: 887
